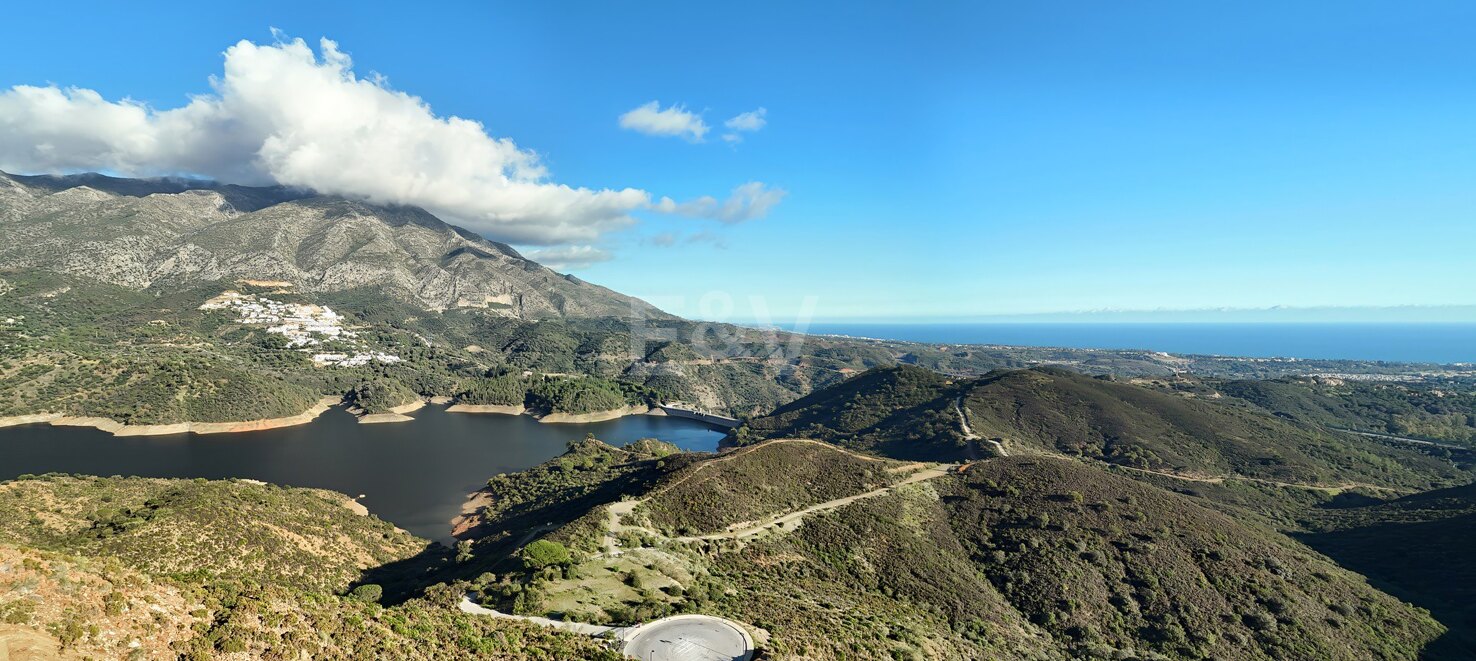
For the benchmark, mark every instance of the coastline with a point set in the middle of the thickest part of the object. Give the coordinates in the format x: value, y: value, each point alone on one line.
x: 396, y: 414
x: 120, y: 429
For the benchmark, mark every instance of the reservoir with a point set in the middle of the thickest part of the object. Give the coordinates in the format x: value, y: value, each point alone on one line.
x: 413, y: 474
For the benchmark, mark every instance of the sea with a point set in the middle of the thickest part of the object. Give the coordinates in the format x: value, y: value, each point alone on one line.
x: 1365, y: 341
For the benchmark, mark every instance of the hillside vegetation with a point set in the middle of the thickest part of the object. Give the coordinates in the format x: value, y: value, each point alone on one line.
x: 908, y: 413
x: 1418, y: 548
x: 903, y: 412
x: 1104, y: 560
x: 1062, y: 411
x: 589, y: 474
x: 302, y: 538
x: 1018, y: 557
x: 1435, y: 413
x: 144, y: 568
x: 767, y: 480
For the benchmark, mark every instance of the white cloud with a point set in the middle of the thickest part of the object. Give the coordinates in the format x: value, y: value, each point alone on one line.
x: 650, y: 119
x: 750, y: 121
x: 747, y: 202
x: 564, y: 258
x: 280, y: 114
x: 747, y: 122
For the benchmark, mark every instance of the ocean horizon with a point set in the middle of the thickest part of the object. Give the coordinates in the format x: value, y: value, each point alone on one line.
x: 1453, y: 342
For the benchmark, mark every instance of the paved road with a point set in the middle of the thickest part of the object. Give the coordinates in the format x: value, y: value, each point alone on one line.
x: 467, y: 606
x: 689, y: 638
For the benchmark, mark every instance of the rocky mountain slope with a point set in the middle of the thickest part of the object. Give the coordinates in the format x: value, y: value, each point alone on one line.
x: 172, y: 234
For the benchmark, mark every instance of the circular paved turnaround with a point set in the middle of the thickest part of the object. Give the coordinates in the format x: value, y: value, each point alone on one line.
x: 689, y: 638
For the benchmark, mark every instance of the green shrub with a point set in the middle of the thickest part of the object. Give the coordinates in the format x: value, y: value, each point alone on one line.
x: 368, y: 592
x: 545, y: 553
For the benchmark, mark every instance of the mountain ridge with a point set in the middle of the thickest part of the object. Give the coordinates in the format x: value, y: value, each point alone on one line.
x: 170, y: 233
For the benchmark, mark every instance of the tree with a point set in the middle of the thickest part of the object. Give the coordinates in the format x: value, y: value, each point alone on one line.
x: 545, y: 553
x: 368, y: 592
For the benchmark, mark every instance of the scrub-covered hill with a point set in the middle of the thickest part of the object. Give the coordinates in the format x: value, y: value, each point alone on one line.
x: 1439, y: 413
x: 904, y: 412
x: 128, y: 568
x: 1017, y: 557
x: 1417, y: 547
x: 910, y: 413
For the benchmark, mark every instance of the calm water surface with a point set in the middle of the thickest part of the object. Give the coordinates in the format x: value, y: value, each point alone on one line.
x: 414, y: 474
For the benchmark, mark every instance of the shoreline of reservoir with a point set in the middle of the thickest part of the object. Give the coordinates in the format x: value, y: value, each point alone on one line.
x: 394, y: 415
x: 116, y: 428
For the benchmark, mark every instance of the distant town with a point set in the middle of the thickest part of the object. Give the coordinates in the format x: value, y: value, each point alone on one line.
x: 308, y: 328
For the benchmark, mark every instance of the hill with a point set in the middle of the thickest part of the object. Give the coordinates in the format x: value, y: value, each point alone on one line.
x: 907, y: 413
x: 1437, y: 413
x: 1018, y: 557
x: 303, y: 538
x: 1417, y: 548
x: 903, y: 412
x: 147, y: 568
x: 588, y: 475
x: 763, y: 481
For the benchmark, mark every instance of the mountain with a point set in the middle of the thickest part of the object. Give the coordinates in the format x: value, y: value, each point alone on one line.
x: 834, y: 554
x: 170, y: 234
x: 908, y: 413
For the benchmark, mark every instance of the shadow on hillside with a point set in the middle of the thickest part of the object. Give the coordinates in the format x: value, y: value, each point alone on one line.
x: 493, y: 544
x: 407, y: 579
x: 1425, y: 563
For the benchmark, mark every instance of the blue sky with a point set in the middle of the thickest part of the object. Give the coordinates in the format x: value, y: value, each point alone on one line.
x: 936, y: 162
